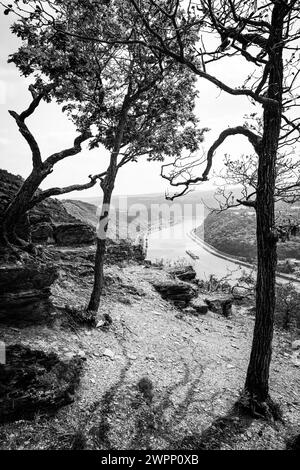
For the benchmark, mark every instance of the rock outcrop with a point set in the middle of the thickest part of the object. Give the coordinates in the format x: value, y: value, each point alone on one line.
x: 122, y: 250
x: 199, y: 305
x: 184, y: 273
x: 73, y: 234
x: 49, y: 221
x: 25, y: 291
x: 177, y: 291
x: 219, y: 303
x: 35, y: 382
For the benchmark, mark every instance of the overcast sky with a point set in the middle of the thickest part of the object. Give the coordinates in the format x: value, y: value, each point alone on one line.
x: 53, y: 131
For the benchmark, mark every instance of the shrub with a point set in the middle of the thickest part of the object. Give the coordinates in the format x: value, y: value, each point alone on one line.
x: 287, y: 313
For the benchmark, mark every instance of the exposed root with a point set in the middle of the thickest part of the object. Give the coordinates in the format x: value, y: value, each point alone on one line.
x: 251, y: 405
x: 81, y: 316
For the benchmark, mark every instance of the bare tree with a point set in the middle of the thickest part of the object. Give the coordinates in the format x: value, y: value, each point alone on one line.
x: 265, y: 34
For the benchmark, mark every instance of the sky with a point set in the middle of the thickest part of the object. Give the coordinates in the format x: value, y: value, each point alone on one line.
x: 217, y: 110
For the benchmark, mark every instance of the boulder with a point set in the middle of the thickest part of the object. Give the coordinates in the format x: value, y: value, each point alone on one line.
x: 220, y: 303
x: 179, y: 292
x: 199, y: 305
x: 25, y: 291
x: 190, y: 311
x: 74, y: 234
x: 34, y: 382
x: 184, y: 273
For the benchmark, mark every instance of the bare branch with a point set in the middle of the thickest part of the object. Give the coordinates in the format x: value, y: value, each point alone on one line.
x: 36, y: 154
x: 253, y: 138
x: 37, y: 97
x: 57, y: 157
x: 67, y: 189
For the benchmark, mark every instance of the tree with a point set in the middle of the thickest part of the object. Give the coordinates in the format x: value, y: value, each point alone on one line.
x: 264, y: 34
x: 140, y: 102
x: 27, y: 196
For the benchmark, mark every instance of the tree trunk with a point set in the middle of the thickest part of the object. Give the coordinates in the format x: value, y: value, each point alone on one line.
x: 18, y: 208
x: 257, y: 380
x: 107, y: 186
x: 101, y: 248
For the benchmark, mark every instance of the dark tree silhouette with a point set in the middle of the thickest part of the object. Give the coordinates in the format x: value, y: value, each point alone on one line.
x: 27, y: 196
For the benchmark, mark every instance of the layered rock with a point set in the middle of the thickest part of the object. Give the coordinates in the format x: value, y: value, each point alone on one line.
x: 48, y: 222
x: 123, y: 250
x: 179, y: 292
x: 73, y: 234
x: 219, y: 303
x: 199, y: 305
x: 184, y: 273
x: 35, y: 382
x: 25, y: 291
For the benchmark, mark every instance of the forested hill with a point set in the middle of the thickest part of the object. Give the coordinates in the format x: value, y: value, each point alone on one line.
x: 206, y: 198
x: 233, y: 232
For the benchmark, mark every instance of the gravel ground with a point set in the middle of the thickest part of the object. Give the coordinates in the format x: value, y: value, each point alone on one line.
x: 155, y: 379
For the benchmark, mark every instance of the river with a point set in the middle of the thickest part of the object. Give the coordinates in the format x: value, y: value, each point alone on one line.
x: 171, y: 243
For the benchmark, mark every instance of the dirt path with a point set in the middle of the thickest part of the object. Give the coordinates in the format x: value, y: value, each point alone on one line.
x: 192, y: 369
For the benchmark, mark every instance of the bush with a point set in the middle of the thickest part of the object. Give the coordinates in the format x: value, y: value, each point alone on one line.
x: 287, y: 313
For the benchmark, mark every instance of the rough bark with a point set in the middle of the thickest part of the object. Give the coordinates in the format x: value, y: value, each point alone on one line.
x: 107, y: 185
x: 257, y: 380
x: 100, y: 250
x: 18, y: 208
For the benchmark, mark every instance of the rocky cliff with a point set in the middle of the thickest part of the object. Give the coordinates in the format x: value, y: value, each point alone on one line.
x: 49, y: 221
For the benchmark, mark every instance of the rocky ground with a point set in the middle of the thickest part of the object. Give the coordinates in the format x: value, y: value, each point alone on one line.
x: 157, y: 377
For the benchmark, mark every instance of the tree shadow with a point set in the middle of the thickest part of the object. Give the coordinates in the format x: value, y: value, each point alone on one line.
x: 222, y: 431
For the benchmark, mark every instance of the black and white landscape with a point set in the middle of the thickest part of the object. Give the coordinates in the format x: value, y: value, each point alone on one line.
x: 149, y: 226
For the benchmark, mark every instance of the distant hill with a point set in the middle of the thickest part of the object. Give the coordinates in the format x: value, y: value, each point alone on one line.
x: 194, y: 197
x: 81, y: 210
x: 136, y: 212
x: 234, y: 232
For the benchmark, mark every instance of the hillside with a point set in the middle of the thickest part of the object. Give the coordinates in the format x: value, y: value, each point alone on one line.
x: 201, y: 197
x: 48, y: 222
x: 81, y: 210
x: 233, y: 232
x: 162, y: 369
x: 124, y: 224
x: 157, y: 378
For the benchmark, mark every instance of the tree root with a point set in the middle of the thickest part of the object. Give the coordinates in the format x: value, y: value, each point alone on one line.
x: 16, y: 245
x: 81, y: 316
x: 249, y: 404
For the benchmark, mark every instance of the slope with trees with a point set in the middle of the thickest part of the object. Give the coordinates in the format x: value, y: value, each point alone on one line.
x: 139, y: 102
x: 27, y: 197
x: 233, y: 232
x: 264, y: 34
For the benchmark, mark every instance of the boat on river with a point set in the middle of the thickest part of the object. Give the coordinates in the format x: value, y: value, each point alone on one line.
x: 191, y: 254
